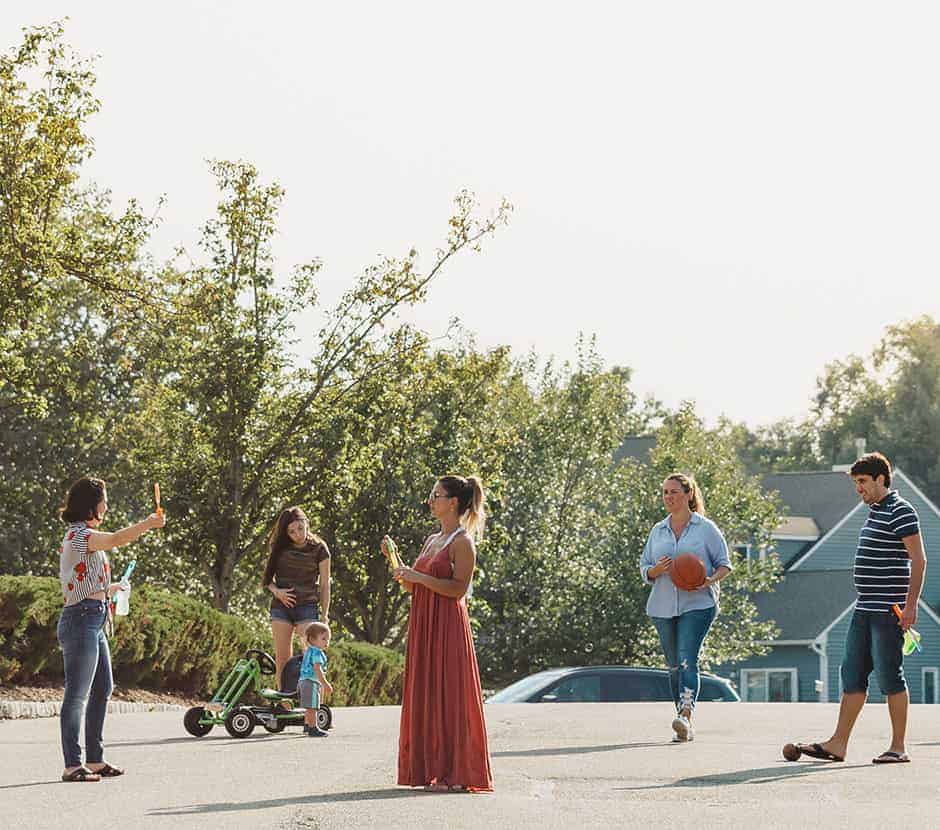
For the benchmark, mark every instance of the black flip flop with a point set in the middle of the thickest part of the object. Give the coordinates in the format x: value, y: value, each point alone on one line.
x: 891, y: 757
x: 107, y: 771
x: 81, y: 775
x: 816, y: 751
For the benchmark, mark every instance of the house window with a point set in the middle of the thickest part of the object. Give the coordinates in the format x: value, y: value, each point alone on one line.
x: 929, y: 685
x: 769, y: 685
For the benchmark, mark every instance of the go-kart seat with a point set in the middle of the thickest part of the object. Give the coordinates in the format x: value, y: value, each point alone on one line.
x: 290, y: 676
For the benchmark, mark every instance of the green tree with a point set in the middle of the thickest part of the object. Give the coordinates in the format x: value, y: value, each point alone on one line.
x: 562, y: 579
x: 550, y: 563
x: 235, y: 431
x: 891, y: 399
x: 54, y: 228
x: 84, y: 384
x: 421, y: 417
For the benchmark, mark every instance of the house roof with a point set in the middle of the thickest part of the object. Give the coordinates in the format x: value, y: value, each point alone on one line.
x: 805, y: 602
x: 826, y: 496
x: 636, y: 446
x: 799, y: 527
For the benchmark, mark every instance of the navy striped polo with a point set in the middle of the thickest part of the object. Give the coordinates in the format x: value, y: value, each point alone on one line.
x: 882, y: 564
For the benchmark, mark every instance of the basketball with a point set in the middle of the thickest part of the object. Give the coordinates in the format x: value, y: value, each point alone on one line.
x: 791, y: 752
x: 687, y: 572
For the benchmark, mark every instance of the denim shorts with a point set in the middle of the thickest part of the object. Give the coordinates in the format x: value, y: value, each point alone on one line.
x: 873, y: 643
x: 298, y: 614
x: 309, y: 691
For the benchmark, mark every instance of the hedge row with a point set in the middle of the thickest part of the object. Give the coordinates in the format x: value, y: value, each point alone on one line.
x: 171, y: 642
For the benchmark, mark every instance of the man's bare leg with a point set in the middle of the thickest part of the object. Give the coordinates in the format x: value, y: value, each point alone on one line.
x: 849, y: 709
x: 897, y: 709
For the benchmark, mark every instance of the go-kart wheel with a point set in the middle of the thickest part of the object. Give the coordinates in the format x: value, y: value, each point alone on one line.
x: 324, y: 717
x: 191, y: 722
x: 265, y: 661
x: 240, y: 723
x: 274, y: 726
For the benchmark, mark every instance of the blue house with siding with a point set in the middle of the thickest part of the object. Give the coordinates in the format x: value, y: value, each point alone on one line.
x: 812, y: 606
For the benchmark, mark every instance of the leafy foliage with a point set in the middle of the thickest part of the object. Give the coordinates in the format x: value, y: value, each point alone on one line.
x: 172, y: 642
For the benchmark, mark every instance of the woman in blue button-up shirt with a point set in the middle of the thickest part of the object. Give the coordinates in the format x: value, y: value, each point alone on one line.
x: 682, y: 618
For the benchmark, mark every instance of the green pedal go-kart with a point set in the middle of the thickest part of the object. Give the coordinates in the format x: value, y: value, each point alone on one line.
x: 240, y: 720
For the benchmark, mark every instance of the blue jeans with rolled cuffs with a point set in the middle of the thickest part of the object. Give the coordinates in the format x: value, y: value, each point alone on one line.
x: 88, y: 679
x: 681, y: 638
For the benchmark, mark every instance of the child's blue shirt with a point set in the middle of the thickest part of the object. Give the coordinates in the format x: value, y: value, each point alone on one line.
x: 312, y: 656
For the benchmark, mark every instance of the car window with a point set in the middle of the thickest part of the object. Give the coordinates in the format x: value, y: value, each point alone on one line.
x: 576, y: 688
x: 523, y: 689
x: 713, y: 690
x: 619, y: 687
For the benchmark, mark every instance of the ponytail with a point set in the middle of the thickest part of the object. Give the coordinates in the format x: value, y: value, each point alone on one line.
x: 690, y: 487
x: 471, y: 501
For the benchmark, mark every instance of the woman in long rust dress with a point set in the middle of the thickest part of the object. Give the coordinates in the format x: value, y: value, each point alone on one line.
x: 442, y: 744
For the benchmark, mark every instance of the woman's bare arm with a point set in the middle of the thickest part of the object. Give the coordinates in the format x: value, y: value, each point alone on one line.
x: 98, y: 540
x: 325, y: 590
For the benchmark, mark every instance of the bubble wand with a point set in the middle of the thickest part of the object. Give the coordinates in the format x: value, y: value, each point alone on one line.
x: 390, y: 549
x: 911, y: 637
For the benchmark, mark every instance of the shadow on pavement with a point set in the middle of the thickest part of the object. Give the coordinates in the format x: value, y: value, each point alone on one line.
x: 575, y: 750
x: 205, y: 740
x: 762, y: 775
x: 33, y: 784
x: 326, y: 798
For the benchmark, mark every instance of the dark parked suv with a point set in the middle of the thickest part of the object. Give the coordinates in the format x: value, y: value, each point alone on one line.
x: 605, y: 684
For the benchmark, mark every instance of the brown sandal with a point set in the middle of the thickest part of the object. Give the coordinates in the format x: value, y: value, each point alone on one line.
x: 81, y: 774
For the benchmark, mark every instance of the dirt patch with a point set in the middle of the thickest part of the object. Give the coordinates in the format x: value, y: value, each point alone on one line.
x: 43, y: 694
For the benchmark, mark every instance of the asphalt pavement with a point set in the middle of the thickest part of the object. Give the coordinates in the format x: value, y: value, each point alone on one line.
x: 554, y: 765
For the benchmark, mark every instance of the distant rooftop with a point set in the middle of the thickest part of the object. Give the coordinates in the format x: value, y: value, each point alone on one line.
x: 824, y: 496
x: 803, y: 528
x: 636, y: 446
x: 805, y: 602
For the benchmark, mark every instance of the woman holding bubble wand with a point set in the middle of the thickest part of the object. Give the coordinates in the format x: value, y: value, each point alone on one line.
x: 442, y: 743
x: 85, y: 576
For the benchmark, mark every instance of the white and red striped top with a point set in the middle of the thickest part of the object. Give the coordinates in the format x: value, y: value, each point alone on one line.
x: 81, y: 573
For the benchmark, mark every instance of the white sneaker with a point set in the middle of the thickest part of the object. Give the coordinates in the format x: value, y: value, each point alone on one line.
x: 682, y: 728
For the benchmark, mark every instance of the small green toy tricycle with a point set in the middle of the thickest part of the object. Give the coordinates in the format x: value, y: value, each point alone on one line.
x: 240, y: 721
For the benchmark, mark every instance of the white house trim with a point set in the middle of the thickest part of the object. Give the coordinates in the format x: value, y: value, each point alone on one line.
x: 923, y: 684
x: 823, y: 540
x: 930, y: 612
x: 794, y: 538
x: 899, y: 473
x: 825, y: 632
x: 785, y: 642
x: 820, y: 648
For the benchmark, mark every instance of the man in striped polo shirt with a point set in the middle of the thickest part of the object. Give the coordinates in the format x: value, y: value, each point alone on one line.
x: 889, y: 570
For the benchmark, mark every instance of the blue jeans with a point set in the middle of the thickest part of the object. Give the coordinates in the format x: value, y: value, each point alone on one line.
x: 88, y: 680
x: 681, y: 638
x: 874, y: 642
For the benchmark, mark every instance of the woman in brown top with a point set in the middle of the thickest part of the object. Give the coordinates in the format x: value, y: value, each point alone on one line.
x: 298, y: 574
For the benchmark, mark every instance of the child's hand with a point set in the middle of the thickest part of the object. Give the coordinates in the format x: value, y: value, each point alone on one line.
x: 327, y: 687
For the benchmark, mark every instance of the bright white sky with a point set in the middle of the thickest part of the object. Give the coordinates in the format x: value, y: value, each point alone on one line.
x: 729, y: 195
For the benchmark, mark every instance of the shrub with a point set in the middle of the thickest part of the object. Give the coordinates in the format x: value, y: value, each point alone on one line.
x: 171, y: 641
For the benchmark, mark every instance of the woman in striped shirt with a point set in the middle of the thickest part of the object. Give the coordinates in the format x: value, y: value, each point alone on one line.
x: 85, y: 575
